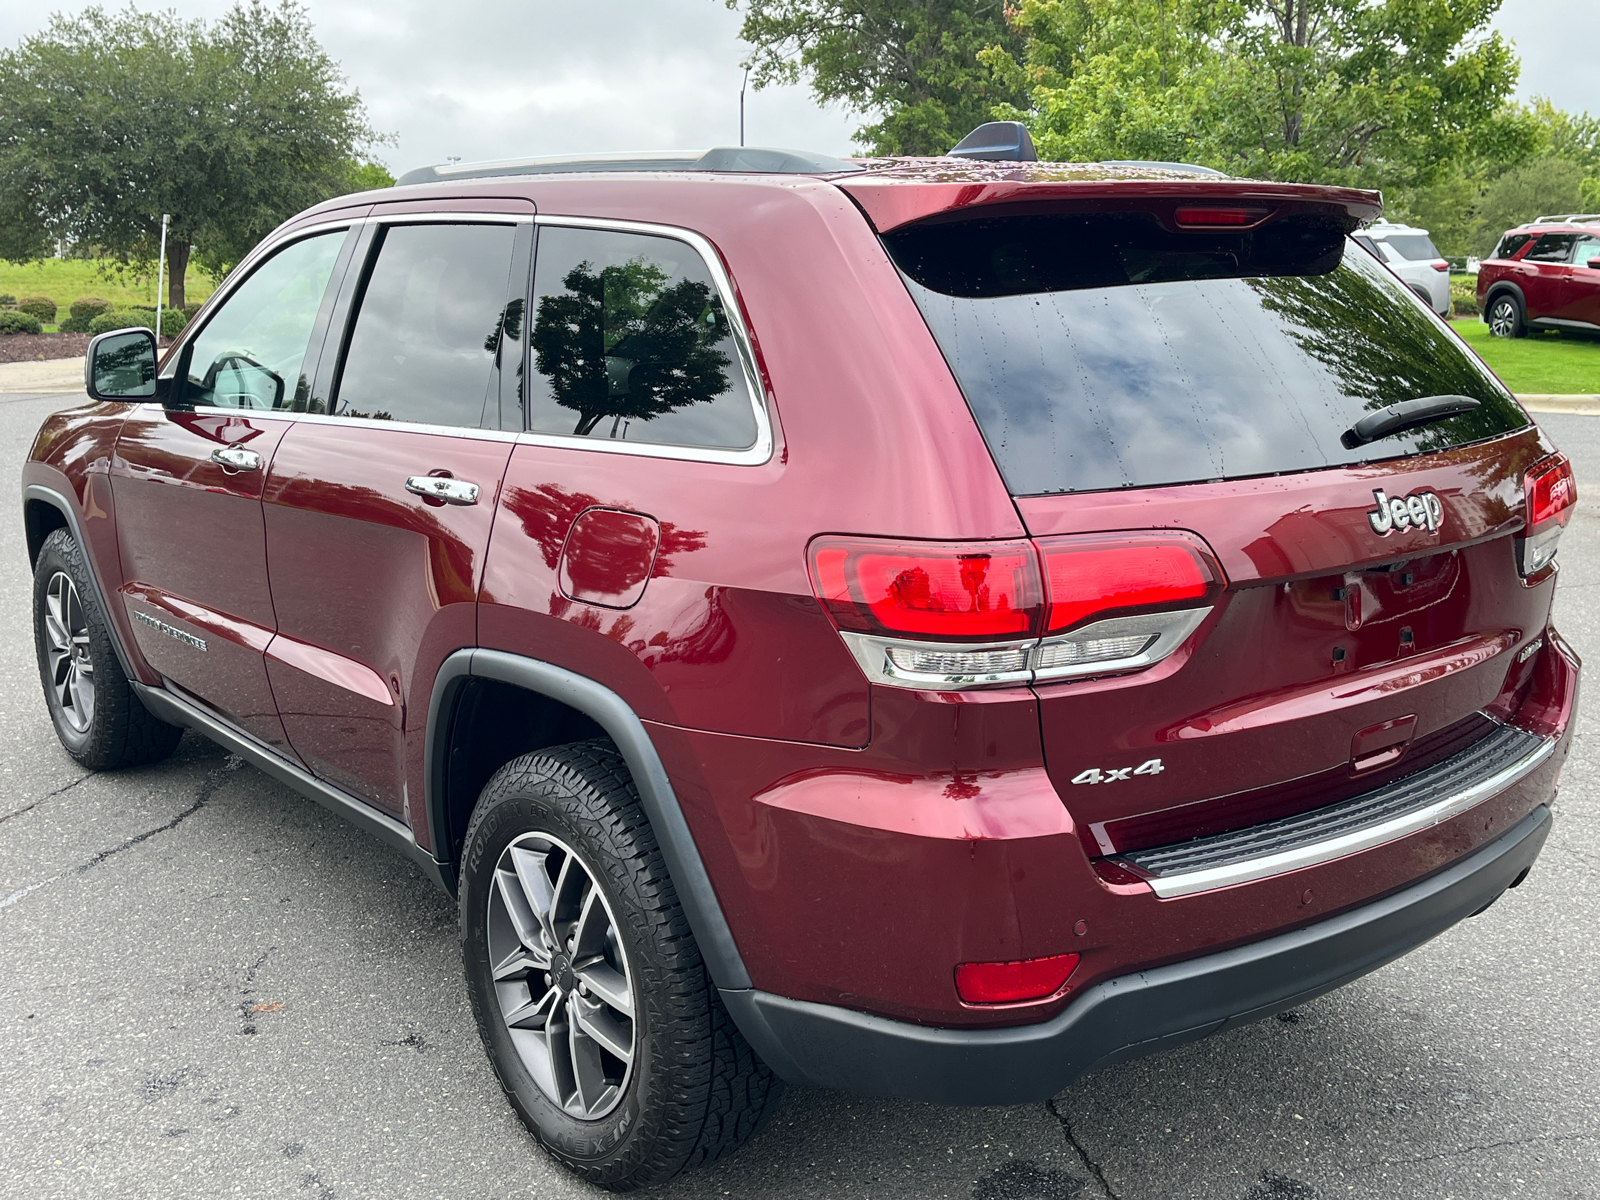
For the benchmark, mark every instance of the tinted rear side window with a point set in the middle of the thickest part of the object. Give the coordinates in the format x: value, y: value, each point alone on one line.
x: 1552, y: 247
x: 631, y: 342
x: 427, y: 331
x: 1103, y: 352
x: 1510, y: 244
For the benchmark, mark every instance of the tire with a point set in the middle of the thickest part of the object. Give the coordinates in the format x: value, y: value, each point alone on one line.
x: 690, y: 1089
x: 1504, y: 317
x: 97, y: 716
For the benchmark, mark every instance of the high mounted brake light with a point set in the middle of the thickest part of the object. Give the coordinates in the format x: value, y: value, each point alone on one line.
x: 943, y: 616
x: 1209, y: 218
x: 1551, y: 493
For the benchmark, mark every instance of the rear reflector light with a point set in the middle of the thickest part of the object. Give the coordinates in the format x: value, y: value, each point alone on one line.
x: 1552, y: 496
x: 941, y: 615
x: 1012, y: 982
x: 1218, y: 216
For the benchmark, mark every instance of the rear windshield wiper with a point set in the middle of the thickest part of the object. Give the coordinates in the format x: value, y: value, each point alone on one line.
x: 1408, y: 414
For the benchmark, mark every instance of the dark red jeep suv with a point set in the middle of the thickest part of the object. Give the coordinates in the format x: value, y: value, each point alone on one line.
x: 924, y: 627
x: 1544, y: 275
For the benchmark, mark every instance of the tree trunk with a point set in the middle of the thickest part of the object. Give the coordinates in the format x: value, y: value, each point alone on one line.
x: 177, y: 267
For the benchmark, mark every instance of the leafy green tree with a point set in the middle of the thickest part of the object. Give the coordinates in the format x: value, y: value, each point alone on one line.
x: 1546, y: 184
x: 109, y: 120
x: 915, y: 62
x: 1362, y: 92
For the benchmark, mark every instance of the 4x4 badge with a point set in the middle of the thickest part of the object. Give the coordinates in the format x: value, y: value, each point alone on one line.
x: 1423, y: 509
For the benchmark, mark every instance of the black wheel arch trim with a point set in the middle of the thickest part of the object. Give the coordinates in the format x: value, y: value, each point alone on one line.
x: 1500, y: 288
x: 37, y: 492
x: 614, y: 715
x: 1131, y: 1015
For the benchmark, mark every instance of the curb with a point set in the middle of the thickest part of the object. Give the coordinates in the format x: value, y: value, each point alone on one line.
x: 1586, y: 405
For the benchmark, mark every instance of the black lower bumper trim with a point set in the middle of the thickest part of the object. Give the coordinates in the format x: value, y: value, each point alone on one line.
x: 1132, y: 1015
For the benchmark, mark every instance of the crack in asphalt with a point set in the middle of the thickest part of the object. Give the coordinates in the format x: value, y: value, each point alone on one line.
x: 33, y: 804
x: 1077, y: 1146
x: 1527, y: 1141
x: 208, y: 788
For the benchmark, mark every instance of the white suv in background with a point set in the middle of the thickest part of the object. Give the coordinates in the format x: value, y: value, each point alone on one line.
x: 1410, y: 253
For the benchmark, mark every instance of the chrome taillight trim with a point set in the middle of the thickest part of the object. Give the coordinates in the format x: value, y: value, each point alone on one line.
x: 1167, y: 630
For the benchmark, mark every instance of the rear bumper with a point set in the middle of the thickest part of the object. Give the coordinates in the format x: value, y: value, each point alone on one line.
x: 1131, y: 1015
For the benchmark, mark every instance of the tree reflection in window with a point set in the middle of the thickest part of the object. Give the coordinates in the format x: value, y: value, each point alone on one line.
x: 630, y: 341
x: 625, y: 343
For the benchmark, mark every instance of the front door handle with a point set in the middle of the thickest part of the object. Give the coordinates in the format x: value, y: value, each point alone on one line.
x: 442, y: 487
x: 236, y: 458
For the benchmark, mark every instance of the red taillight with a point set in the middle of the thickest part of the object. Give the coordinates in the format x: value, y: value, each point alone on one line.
x: 1552, y: 496
x: 1012, y: 982
x: 1085, y: 576
x: 962, y: 591
x: 942, y: 616
x: 1210, y: 217
x: 1441, y: 265
x: 1552, y: 492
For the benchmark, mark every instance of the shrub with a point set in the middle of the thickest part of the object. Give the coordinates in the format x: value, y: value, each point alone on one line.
x: 87, y: 308
x: 8, y: 301
x: 192, y: 307
x: 122, y: 318
x: 172, y: 322
x: 38, y: 306
x: 12, y: 321
x: 1464, y: 295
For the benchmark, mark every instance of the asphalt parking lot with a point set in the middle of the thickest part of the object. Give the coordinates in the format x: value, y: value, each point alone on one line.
x: 211, y: 987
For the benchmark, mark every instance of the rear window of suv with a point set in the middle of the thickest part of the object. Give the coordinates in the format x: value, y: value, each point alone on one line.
x: 1417, y: 247
x: 1101, y: 351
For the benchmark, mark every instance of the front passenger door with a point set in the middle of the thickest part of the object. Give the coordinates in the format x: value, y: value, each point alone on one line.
x: 378, y: 514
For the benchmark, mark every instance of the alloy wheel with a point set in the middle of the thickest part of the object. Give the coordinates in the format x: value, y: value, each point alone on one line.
x: 561, y: 976
x: 66, y: 631
x: 1503, y: 318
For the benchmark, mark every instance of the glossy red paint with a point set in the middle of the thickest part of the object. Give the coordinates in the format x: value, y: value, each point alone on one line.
x: 374, y: 586
x: 194, y: 557
x: 1564, y: 290
x: 864, y: 841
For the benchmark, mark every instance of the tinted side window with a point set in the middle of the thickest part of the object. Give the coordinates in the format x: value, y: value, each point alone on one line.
x: 428, y: 325
x: 252, y: 351
x: 1510, y: 244
x: 630, y: 342
x: 1552, y: 247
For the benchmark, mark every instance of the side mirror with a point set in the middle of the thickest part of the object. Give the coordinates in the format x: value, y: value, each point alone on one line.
x: 121, y: 365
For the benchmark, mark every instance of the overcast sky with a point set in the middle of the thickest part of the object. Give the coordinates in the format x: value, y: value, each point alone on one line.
x: 494, y: 79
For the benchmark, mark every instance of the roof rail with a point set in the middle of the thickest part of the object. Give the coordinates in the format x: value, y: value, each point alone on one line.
x: 752, y: 160
x: 1185, y: 168
x: 1563, y: 218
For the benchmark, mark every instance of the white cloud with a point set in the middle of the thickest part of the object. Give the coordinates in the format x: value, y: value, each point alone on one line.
x: 483, y: 79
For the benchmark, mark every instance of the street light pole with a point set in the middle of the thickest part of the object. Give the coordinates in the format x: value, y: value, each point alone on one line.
x: 741, y: 104
x: 161, y: 272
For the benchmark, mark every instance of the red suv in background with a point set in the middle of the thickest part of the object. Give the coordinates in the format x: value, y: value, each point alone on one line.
x: 915, y: 626
x: 1544, y: 275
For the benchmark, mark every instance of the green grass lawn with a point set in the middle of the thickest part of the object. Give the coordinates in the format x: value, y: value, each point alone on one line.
x: 65, y: 279
x: 1542, y: 363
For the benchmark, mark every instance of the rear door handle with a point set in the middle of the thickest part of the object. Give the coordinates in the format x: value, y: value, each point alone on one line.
x: 442, y: 487
x: 236, y: 458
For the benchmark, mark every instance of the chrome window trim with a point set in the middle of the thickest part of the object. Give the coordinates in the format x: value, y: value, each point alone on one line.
x: 1249, y: 870
x: 236, y: 277
x: 754, y: 455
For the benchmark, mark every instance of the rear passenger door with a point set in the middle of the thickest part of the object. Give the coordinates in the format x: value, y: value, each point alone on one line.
x: 1581, y: 301
x: 1544, y: 274
x: 379, y: 506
